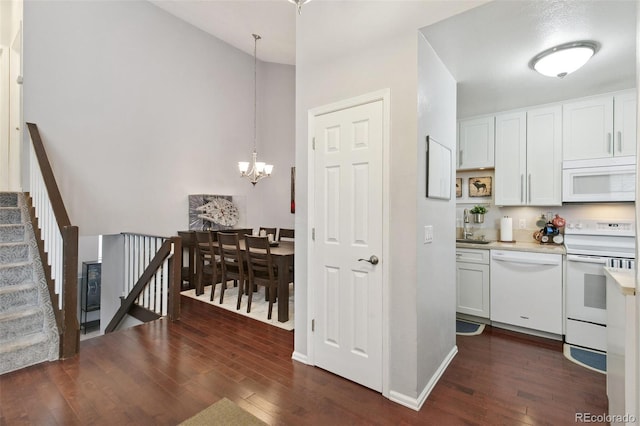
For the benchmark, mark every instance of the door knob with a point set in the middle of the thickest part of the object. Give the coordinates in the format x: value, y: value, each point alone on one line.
x: 372, y: 260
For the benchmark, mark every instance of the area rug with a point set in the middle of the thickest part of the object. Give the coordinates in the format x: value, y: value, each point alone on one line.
x: 593, y: 360
x: 223, y: 413
x: 466, y: 328
x: 259, y: 306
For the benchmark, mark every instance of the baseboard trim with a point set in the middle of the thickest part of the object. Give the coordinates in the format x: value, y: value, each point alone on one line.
x: 300, y: 357
x: 416, y: 403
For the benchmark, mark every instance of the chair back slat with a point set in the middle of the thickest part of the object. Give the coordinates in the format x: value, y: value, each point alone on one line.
x: 287, y: 234
x: 229, y: 252
x: 259, y: 260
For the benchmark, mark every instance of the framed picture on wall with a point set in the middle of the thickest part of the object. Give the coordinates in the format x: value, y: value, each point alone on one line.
x: 438, y: 173
x: 480, y: 186
x: 458, y: 187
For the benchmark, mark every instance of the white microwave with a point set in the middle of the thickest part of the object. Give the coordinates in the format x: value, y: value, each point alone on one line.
x: 599, y: 180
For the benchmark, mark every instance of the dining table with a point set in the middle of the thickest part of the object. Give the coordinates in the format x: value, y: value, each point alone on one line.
x: 282, y: 253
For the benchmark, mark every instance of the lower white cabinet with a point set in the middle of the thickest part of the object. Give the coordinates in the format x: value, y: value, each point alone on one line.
x: 472, y: 282
x: 526, y: 290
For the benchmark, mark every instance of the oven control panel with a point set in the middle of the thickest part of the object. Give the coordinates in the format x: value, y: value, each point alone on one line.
x: 600, y: 227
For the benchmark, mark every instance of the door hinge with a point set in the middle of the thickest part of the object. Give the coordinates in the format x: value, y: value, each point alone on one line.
x: 313, y: 325
x: 313, y: 234
x: 313, y: 144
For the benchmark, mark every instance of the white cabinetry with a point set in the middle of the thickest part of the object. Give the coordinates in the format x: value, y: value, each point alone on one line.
x: 624, y: 124
x: 528, y: 157
x: 526, y: 290
x: 476, y: 143
x: 472, y: 282
x: 600, y: 127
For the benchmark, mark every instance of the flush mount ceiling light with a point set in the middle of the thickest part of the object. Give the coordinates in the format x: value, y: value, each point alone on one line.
x: 563, y: 59
x: 299, y: 4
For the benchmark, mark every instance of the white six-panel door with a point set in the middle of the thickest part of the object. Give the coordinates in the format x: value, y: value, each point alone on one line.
x: 348, y: 216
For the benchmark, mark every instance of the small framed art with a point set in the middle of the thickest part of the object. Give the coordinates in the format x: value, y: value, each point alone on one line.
x: 480, y: 186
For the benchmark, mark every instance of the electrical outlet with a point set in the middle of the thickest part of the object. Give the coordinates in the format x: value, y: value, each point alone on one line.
x: 522, y: 224
x: 428, y: 234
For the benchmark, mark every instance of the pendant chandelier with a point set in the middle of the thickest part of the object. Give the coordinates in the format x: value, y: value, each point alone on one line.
x: 255, y: 170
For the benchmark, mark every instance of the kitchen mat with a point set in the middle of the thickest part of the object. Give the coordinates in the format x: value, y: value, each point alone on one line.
x: 466, y: 328
x: 593, y: 360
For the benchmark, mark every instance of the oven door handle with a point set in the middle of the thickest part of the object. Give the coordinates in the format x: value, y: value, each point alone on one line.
x: 586, y: 259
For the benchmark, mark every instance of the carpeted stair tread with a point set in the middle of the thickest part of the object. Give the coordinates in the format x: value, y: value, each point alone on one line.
x: 18, y: 296
x: 10, y: 215
x: 23, y: 352
x: 14, y: 324
x: 28, y: 330
x: 15, y: 273
x: 11, y: 233
x: 8, y: 199
x: 14, y: 253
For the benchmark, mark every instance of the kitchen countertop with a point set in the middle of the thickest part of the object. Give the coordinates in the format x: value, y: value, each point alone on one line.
x: 532, y: 246
x: 625, y: 278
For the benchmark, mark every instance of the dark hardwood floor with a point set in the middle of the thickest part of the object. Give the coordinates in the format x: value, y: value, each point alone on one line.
x: 162, y: 373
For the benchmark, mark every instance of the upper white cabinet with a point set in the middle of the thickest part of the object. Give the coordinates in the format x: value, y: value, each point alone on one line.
x: 476, y: 143
x: 528, y: 157
x: 600, y: 127
x: 624, y: 123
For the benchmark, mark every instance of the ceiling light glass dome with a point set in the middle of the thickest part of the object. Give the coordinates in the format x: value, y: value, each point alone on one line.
x: 564, y: 59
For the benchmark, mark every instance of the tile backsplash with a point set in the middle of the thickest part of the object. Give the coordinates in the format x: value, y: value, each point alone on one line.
x: 528, y: 215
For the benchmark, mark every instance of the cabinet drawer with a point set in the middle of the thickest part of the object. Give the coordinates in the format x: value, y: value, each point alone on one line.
x: 472, y: 256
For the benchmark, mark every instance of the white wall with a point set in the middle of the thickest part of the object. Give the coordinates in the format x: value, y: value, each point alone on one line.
x: 436, y: 292
x: 345, y: 49
x: 138, y: 109
x: 10, y: 95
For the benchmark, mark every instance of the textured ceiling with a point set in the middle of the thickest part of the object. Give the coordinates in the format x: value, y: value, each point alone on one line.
x: 488, y: 48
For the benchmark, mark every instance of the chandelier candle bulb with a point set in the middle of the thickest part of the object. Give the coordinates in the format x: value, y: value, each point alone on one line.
x: 506, y: 229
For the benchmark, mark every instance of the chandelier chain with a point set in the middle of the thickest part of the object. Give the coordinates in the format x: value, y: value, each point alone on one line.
x: 256, y: 37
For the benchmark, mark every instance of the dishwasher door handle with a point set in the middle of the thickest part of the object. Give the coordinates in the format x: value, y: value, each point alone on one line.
x: 509, y: 259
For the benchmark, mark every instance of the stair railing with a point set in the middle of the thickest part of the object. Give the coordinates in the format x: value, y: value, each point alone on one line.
x: 152, y: 280
x: 57, y: 242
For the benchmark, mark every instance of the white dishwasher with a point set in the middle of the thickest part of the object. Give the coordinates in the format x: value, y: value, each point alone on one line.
x: 526, y: 290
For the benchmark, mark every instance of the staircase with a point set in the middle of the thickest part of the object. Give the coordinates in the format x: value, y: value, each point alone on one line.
x: 28, y: 331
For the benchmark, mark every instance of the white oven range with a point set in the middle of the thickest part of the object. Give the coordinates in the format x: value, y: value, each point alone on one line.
x: 591, y: 245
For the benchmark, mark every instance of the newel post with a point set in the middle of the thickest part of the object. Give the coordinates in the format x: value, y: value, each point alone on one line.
x: 70, y: 341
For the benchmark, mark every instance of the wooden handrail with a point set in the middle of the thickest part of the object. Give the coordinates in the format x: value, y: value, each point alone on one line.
x: 67, y: 321
x: 148, y: 273
x: 59, y: 211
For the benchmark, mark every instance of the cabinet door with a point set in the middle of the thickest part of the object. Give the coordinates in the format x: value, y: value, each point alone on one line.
x: 544, y: 156
x: 476, y: 143
x: 472, y: 282
x: 624, y: 117
x: 587, y: 130
x: 511, y: 157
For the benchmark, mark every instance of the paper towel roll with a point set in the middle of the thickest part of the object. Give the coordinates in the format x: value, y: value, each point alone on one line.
x: 506, y: 229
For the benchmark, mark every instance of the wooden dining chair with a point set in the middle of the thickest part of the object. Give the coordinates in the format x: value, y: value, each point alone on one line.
x: 242, y: 231
x: 262, y: 269
x: 232, y: 263
x: 287, y: 234
x: 208, y: 270
x: 268, y: 231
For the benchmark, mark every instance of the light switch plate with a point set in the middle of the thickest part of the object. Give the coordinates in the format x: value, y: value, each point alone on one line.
x: 428, y: 234
x: 522, y: 224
